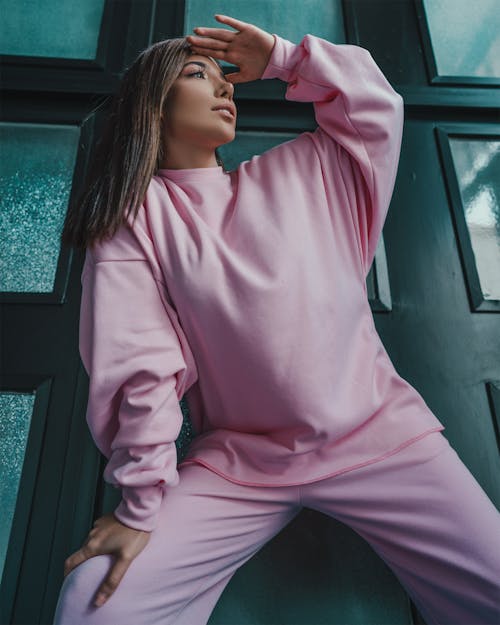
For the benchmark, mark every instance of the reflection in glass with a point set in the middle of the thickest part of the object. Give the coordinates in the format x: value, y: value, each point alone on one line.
x: 16, y: 410
x: 36, y: 172
x: 477, y: 163
x: 320, y: 18
x: 52, y: 28
x: 465, y: 36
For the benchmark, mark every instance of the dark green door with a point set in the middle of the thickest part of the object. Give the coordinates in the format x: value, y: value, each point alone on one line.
x: 434, y: 286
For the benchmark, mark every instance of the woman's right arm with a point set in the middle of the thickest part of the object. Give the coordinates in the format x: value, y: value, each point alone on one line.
x: 133, y: 357
x: 136, y: 362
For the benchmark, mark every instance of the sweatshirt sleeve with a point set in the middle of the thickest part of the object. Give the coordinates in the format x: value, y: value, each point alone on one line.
x: 133, y: 356
x: 360, y: 124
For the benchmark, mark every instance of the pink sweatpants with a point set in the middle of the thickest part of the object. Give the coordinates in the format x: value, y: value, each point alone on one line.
x: 420, y: 509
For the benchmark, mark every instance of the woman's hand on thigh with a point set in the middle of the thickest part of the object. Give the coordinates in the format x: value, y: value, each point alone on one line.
x: 109, y: 536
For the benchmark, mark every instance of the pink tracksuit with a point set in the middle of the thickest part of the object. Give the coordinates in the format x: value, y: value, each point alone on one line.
x: 246, y: 292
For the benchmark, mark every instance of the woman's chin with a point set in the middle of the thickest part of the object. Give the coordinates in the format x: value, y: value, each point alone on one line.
x: 228, y: 137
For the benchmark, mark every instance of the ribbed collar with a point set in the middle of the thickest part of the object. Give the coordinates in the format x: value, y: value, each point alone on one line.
x: 192, y: 173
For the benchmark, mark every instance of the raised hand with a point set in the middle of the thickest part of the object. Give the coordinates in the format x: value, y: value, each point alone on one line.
x: 249, y: 48
x: 109, y: 536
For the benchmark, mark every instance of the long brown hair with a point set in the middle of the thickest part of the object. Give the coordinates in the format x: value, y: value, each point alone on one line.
x: 130, y: 149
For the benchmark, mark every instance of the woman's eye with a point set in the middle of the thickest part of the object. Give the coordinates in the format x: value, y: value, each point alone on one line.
x: 195, y: 73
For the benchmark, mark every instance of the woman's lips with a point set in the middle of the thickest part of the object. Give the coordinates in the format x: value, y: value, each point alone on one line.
x: 225, y: 112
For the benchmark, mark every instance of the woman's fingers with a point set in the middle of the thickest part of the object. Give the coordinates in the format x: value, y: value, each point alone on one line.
x: 218, y: 33
x: 77, y: 558
x: 217, y: 38
x: 112, y: 580
x: 231, y: 21
x: 206, y: 42
x: 109, y: 536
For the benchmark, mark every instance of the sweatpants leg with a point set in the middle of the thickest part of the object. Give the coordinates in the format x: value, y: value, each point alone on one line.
x: 208, y: 528
x: 428, y: 518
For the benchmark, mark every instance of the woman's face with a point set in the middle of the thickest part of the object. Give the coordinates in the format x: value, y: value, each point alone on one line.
x: 191, y: 119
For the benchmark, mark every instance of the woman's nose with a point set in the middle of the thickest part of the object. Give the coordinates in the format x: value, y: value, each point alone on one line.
x: 227, y: 88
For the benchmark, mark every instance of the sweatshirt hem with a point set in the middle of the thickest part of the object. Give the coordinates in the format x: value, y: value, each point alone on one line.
x: 315, y: 479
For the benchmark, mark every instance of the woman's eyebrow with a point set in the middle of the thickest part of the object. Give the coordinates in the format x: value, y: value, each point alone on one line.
x: 201, y: 64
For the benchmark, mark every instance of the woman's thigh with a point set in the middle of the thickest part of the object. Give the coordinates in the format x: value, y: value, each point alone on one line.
x: 429, y: 519
x: 208, y: 528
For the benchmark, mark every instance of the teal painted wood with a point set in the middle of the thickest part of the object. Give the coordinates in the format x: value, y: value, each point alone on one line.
x: 316, y: 571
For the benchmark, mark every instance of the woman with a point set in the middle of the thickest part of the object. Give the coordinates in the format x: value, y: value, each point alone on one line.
x: 246, y: 291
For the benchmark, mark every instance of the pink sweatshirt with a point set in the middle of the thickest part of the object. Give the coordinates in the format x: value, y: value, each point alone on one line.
x: 246, y: 291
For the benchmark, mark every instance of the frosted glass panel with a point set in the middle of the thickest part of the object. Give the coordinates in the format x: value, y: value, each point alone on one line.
x: 248, y: 144
x: 465, y: 36
x: 186, y: 434
x: 36, y: 170
x: 16, y: 410
x: 477, y: 163
x: 68, y: 29
x: 291, y: 19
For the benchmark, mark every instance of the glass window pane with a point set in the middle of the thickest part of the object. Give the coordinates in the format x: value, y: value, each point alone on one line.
x: 465, y: 36
x: 320, y: 18
x: 36, y: 171
x: 16, y: 410
x: 186, y: 434
x: 477, y: 163
x: 52, y: 28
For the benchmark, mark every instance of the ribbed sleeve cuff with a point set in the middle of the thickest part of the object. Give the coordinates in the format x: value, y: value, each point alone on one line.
x: 284, y: 57
x: 139, y: 507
